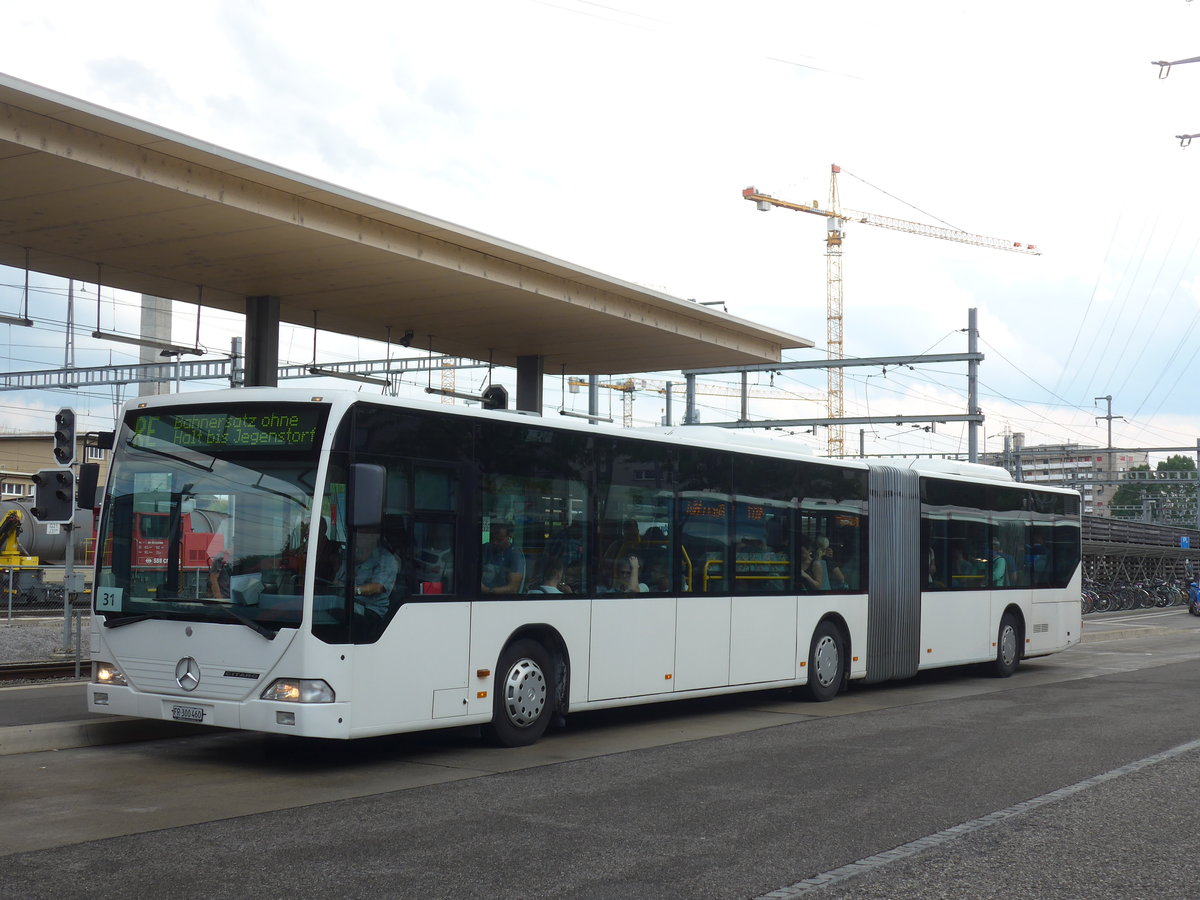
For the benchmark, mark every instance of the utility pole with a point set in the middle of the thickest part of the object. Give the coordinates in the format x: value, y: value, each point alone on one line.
x: 1109, y: 417
x: 972, y: 386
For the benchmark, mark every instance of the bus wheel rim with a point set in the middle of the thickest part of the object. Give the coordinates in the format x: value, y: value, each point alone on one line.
x: 1008, y: 645
x: 525, y: 693
x: 826, y: 661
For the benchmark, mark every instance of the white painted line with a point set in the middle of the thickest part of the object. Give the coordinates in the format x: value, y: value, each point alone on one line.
x: 871, y: 863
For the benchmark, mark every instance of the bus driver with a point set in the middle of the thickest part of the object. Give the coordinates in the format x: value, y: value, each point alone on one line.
x: 375, y: 572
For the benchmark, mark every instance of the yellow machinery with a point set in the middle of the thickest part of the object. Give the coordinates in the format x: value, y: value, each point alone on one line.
x: 15, y: 568
x: 10, y: 549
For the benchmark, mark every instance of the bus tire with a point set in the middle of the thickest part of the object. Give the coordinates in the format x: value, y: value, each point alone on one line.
x: 826, y: 663
x: 1008, y: 647
x: 523, y: 698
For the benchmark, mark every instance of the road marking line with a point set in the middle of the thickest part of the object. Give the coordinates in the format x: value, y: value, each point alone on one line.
x: 937, y: 839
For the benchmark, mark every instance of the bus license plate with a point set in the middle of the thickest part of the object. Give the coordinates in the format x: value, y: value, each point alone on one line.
x: 187, y: 713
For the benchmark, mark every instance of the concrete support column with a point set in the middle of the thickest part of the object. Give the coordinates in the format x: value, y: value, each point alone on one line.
x: 262, y: 341
x: 156, y: 326
x: 529, y: 383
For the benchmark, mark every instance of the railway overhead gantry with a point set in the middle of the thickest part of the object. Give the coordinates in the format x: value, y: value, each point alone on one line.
x: 94, y: 195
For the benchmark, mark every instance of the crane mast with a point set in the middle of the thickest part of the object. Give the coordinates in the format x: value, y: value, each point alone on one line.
x: 835, y: 376
x: 837, y: 217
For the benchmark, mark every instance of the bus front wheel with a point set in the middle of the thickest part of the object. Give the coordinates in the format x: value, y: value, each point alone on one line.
x: 523, y: 698
x: 826, y: 663
x: 1008, y: 647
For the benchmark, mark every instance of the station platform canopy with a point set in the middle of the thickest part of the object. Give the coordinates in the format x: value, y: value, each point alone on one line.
x: 94, y: 195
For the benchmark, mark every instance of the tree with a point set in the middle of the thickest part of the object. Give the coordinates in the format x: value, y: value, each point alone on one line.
x: 1174, y: 501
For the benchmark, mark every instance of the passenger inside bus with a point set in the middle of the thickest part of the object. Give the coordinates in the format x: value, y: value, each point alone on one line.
x: 503, y: 565
x: 932, y: 582
x: 627, y: 575
x: 1000, y: 565
x: 551, y: 580
x: 807, y: 580
x: 657, y: 573
x: 832, y: 572
x: 629, y: 542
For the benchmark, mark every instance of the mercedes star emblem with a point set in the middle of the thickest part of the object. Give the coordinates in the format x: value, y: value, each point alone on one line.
x: 187, y: 673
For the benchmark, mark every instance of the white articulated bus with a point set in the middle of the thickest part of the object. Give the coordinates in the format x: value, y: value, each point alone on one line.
x: 338, y: 566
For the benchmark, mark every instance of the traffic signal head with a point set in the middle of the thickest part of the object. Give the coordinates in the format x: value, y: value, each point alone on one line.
x: 54, y: 495
x: 64, y: 437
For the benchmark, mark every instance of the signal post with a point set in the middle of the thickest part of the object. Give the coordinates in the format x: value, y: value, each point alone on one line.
x: 54, y: 499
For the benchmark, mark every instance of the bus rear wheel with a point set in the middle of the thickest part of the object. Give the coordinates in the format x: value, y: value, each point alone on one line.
x: 523, y: 696
x: 1008, y: 647
x: 826, y: 663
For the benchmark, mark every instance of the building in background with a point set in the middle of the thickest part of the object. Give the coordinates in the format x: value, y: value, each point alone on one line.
x: 1093, y: 471
x: 23, y: 455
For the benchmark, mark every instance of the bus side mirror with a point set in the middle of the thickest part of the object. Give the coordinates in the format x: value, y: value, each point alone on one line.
x: 368, y: 484
x: 86, y: 484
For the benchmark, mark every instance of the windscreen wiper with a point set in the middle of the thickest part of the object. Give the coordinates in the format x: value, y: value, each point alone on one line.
x: 203, y: 601
x: 127, y: 620
x: 250, y: 623
x: 174, y: 456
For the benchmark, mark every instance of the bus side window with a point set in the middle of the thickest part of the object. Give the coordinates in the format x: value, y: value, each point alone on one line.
x: 435, y: 502
x: 433, y: 557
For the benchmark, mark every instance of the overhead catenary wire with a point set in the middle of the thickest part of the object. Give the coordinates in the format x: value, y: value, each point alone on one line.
x: 1154, y: 332
x: 1104, y: 354
x: 1087, y: 309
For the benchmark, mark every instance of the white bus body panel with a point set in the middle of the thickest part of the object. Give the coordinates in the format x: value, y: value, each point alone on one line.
x: 398, y: 682
x: 702, y: 654
x: 632, y: 647
x: 955, y: 627
x: 764, y: 639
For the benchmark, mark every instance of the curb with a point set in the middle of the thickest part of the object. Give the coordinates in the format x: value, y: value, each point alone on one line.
x: 16, y: 739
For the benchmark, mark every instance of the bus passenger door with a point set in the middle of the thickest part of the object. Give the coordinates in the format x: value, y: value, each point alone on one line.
x: 703, y: 621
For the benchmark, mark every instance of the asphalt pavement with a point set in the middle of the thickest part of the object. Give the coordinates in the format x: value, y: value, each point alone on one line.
x: 1077, y: 778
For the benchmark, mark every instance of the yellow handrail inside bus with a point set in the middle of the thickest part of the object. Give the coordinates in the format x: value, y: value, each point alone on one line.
x: 738, y: 563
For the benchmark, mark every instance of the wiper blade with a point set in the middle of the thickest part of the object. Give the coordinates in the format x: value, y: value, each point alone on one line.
x: 110, y: 622
x: 183, y: 459
x: 250, y: 623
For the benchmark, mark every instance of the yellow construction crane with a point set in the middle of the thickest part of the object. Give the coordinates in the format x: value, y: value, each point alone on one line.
x: 837, y: 218
x: 631, y: 385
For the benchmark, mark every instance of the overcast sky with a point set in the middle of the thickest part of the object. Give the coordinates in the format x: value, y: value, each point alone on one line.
x: 618, y: 136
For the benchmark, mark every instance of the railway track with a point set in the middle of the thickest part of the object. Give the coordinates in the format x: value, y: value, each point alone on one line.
x: 43, y: 671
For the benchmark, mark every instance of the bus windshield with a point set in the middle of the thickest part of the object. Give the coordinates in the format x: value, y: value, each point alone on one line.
x: 208, y: 514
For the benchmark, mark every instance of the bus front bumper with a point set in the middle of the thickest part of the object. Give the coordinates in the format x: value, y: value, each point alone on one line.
x: 322, y: 720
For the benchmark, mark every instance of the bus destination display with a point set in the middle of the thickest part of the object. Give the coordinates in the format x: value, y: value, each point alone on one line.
x: 294, y: 428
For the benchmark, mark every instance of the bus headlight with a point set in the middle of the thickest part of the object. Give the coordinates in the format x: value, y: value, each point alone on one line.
x: 299, y: 690
x: 107, y: 673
